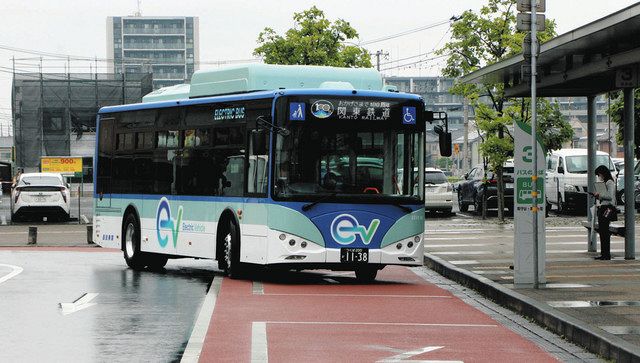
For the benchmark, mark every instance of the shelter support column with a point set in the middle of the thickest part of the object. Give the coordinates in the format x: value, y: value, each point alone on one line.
x: 591, y: 165
x: 629, y: 207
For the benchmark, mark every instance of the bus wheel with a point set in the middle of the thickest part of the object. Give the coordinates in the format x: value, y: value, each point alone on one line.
x: 156, y: 262
x: 366, y: 273
x: 232, y: 251
x: 131, y: 243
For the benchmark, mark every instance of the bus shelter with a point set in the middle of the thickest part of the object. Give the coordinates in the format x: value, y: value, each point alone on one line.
x: 596, y: 58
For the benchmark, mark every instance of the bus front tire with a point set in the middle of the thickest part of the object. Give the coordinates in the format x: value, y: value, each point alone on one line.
x: 366, y: 274
x: 131, y: 243
x: 231, y: 253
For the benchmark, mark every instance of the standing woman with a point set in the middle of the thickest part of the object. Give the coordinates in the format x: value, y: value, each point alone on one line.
x: 607, y: 211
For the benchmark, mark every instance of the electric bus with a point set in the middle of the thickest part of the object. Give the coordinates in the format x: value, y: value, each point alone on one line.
x: 292, y: 167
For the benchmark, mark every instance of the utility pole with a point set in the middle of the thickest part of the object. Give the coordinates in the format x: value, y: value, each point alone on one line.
x: 378, y: 54
x: 465, y: 159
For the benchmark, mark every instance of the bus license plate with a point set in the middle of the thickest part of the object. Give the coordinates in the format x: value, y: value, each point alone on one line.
x: 354, y: 255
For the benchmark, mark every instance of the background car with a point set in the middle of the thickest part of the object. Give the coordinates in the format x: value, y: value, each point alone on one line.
x: 40, y: 195
x: 620, y: 179
x: 438, y: 192
x: 471, y: 189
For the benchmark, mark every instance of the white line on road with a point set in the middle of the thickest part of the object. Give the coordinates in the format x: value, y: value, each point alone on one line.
x: 196, y: 340
x: 365, y: 295
x: 388, y: 324
x: 80, y: 304
x: 259, y: 348
x: 16, y: 271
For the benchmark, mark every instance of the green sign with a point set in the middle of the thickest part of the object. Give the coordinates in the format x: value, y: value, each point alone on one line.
x: 524, y: 186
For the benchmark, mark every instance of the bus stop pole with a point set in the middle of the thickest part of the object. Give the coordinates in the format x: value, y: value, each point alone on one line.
x: 534, y: 144
x: 629, y: 188
x: 591, y: 166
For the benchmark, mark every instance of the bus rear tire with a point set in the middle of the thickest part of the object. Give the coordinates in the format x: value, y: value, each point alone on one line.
x: 156, y: 262
x: 366, y: 274
x: 131, y: 243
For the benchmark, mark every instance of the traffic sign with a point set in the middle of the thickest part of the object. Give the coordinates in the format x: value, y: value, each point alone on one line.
x: 525, y: 5
x: 523, y: 22
x: 626, y: 77
x: 456, y: 148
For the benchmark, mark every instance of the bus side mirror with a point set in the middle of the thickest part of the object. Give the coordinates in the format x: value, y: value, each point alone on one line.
x: 428, y: 116
x: 560, y: 170
x: 444, y: 139
x: 259, y: 142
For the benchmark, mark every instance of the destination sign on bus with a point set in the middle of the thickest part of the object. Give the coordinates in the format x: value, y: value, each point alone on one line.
x: 353, y: 109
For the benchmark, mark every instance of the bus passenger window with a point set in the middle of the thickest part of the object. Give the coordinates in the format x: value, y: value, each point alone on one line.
x: 172, y: 139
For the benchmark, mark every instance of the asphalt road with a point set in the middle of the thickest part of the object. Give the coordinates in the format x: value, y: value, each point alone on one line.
x: 135, y: 316
x: 84, y: 304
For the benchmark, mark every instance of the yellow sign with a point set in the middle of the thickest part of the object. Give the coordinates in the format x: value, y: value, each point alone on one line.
x: 456, y: 148
x: 64, y: 165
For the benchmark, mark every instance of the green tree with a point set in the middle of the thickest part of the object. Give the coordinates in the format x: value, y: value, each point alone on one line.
x: 616, y: 111
x: 313, y: 40
x: 477, y: 40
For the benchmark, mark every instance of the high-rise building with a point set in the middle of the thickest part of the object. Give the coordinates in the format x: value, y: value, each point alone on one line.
x: 168, y: 47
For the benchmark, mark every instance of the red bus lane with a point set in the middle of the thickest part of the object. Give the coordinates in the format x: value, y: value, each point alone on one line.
x: 400, y: 317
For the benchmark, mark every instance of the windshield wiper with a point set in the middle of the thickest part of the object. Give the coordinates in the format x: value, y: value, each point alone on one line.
x: 308, y: 206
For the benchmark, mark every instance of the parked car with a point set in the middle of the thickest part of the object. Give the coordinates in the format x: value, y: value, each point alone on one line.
x: 438, y: 192
x: 566, y: 179
x: 620, y: 176
x: 40, y: 195
x: 472, y: 189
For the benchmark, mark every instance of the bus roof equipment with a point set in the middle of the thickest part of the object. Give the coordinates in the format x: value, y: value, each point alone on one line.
x: 261, y: 77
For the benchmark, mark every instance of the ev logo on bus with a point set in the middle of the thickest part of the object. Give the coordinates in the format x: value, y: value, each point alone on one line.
x: 345, y: 228
x: 164, y: 222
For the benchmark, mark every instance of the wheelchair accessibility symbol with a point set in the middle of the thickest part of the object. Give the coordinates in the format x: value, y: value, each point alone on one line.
x: 408, y: 115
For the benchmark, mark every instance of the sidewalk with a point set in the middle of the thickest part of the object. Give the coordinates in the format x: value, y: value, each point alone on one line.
x: 49, y: 235
x: 595, y: 304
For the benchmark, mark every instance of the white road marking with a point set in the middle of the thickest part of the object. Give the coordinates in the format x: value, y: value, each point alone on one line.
x: 16, y: 271
x: 258, y: 288
x: 80, y: 304
x: 448, y: 253
x: 259, y: 347
x: 404, y: 357
x: 465, y: 262
x: 84, y: 218
x: 365, y: 295
x: 565, y: 286
x: 43, y: 232
x: 196, y: 340
x: 389, y: 324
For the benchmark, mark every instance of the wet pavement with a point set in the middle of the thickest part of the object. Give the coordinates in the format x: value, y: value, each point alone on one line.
x: 134, y: 316
x: 596, y: 303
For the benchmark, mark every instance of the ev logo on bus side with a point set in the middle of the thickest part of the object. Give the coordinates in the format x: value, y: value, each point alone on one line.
x: 165, y: 222
x: 345, y: 228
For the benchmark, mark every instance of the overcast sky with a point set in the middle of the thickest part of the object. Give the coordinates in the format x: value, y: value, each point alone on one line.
x: 229, y: 29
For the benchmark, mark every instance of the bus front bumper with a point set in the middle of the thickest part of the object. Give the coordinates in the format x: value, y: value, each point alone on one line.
x: 408, y: 251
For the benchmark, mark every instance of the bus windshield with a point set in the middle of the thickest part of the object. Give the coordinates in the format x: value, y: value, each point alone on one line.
x: 348, y: 159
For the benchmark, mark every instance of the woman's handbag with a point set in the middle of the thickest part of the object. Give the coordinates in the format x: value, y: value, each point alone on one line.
x: 609, y: 212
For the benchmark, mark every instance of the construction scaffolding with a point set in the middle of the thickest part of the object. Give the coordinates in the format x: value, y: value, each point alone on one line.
x: 53, y: 111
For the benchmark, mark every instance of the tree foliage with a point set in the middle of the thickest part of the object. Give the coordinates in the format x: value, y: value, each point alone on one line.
x: 314, y: 40
x: 616, y: 111
x: 481, y: 39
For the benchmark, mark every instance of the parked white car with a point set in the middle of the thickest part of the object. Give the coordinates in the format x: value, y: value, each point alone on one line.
x: 438, y: 192
x: 566, y: 179
x: 40, y: 195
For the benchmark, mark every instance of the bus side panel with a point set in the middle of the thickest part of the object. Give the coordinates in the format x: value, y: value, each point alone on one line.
x: 178, y: 227
x: 253, y: 248
x: 106, y: 229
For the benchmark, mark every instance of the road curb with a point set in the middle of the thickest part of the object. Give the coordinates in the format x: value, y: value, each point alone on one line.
x: 591, y: 338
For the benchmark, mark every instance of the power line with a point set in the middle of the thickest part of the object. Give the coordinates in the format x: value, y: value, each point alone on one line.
x: 414, y: 63
x: 406, y: 32
x: 407, y: 58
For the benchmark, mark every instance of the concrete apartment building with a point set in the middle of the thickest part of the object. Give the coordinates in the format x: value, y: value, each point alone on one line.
x: 167, y: 46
